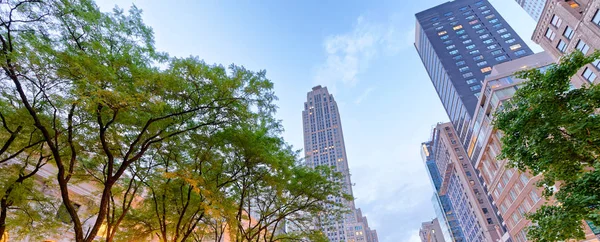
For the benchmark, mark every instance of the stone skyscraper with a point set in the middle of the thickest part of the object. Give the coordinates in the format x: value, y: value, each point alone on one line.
x: 459, y: 42
x: 324, y: 146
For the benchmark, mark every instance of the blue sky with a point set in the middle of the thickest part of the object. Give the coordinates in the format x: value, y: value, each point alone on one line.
x: 362, y: 51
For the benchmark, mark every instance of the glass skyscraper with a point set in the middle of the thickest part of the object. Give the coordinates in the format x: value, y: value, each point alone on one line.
x: 533, y: 7
x: 324, y: 146
x: 459, y: 42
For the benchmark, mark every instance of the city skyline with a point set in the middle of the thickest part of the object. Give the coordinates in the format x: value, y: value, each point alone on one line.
x: 348, y: 43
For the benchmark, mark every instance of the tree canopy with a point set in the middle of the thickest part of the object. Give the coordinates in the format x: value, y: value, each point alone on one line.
x: 174, y: 147
x: 553, y: 130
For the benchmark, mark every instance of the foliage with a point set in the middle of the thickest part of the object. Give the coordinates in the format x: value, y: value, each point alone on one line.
x: 175, y: 147
x: 553, y: 130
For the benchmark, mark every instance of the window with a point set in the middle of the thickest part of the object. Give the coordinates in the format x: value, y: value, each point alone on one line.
x: 474, y: 52
x: 582, y: 46
x: 463, y: 8
x: 439, y: 28
x: 483, y: 7
x: 481, y: 31
x: 486, y: 11
x: 470, y: 47
x: 510, y: 41
x: 488, y: 41
x: 501, y: 58
x: 474, y: 22
x: 449, y: 47
x: 491, y: 47
x: 467, y: 12
x: 451, y: 18
x: 444, y: 37
x: 596, y: 64
x: 568, y: 33
x: 453, y: 23
x: 550, y: 34
x: 435, y: 19
x: 468, y: 74
x: 502, y: 30
x: 493, y: 21
x: 463, y: 36
x: 454, y: 52
x: 472, y: 81
x: 442, y: 32
x: 448, y: 14
x: 457, y: 27
x: 462, y: 31
x: 486, y: 69
x: 556, y: 21
x: 447, y: 42
x: 476, y: 88
x: 489, y: 221
x: 490, y: 16
x: 562, y: 46
x: 470, y: 17
x: 507, y: 35
x: 485, y: 36
x: 477, y: 26
x: 515, y: 47
x: 534, y: 196
x: 467, y: 41
x: 460, y: 63
x: 483, y: 63
x: 589, y: 75
x: 496, y: 52
x: 463, y: 69
x: 458, y: 57
x: 479, y: 57
x: 497, y: 26
x: 524, y: 178
x: 520, y: 52
x: 596, y: 18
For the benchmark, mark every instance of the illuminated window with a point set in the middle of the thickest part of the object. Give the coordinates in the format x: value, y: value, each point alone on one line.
x: 515, y: 47
x: 556, y: 21
x: 573, y: 4
x: 457, y: 27
x: 490, y: 16
x: 474, y: 22
x: 442, y: 32
x: 486, y: 69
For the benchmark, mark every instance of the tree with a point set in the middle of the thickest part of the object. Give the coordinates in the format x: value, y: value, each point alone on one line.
x: 553, y: 130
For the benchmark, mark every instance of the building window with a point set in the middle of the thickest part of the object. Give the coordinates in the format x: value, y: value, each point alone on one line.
x: 449, y: 47
x: 470, y: 47
x: 556, y: 21
x: 483, y: 63
x: 439, y: 28
x: 493, y: 21
x: 596, y: 64
x: 476, y: 88
x: 458, y: 57
x: 463, y: 69
x: 442, y: 32
x: 568, y: 33
x: 463, y: 36
x: 582, y: 46
x: 447, y: 14
x: 472, y: 81
x: 484, y: 36
x: 490, y: 16
x: 451, y: 18
x: 488, y: 41
x: 497, y: 52
x: 502, y: 30
x: 534, y: 196
x: 481, y: 31
x: 483, y: 7
x: 474, y: 22
x: 477, y: 26
x: 515, y: 47
x: 467, y: 12
x: 467, y: 41
x: 562, y: 46
x: 505, y: 36
x: 501, y: 58
x: 470, y: 17
x: 589, y: 75
x: 447, y: 42
x: 486, y: 11
x: 497, y: 26
x: 457, y: 27
x: 486, y: 69
x: 444, y: 37
x: 463, y: 8
x: 474, y: 52
x: 460, y: 63
x: 468, y: 74
x: 520, y: 52
x: 479, y: 57
x: 462, y: 31
x: 454, y: 52
x: 510, y: 41
x: 596, y: 18
x: 491, y: 47
x: 550, y: 34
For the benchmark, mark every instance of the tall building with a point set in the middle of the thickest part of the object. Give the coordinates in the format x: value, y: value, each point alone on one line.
x: 450, y: 228
x: 533, y: 7
x: 566, y: 25
x: 458, y: 43
x: 324, y: 146
x: 515, y: 193
x: 471, y: 206
x: 430, y: 232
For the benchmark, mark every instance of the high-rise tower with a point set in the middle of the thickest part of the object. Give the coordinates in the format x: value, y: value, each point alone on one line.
x: 459, y: 42
x: 533, y: 7
x: 324, y: 146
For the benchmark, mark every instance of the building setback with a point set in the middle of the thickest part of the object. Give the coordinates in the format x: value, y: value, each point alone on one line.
x: 430, y: 232
x: 324, y: 146
x: 533, y: 7
x: 471, y: 206
x: 458, y: 43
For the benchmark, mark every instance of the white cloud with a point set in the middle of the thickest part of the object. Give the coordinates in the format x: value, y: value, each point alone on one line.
x: 349, y: 54
x: 364, y: 95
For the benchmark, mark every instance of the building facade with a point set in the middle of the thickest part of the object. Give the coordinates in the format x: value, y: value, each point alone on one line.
x: 324, y: 146
x: 459, y: 42
x: 471, y: 206
x: 430, y: 232
x: 533, y: 7
x: 513, y: 192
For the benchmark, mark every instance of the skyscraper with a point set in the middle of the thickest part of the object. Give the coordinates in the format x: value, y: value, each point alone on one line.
x: 459, y: 42
x: 533, y: 7
x: 324, y: 146
x: 430, y: 231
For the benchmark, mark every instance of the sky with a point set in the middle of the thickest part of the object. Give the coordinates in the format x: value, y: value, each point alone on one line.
x: 363, y: 52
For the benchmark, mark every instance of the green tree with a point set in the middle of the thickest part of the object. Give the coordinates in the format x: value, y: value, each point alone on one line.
x: 553, y: 129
